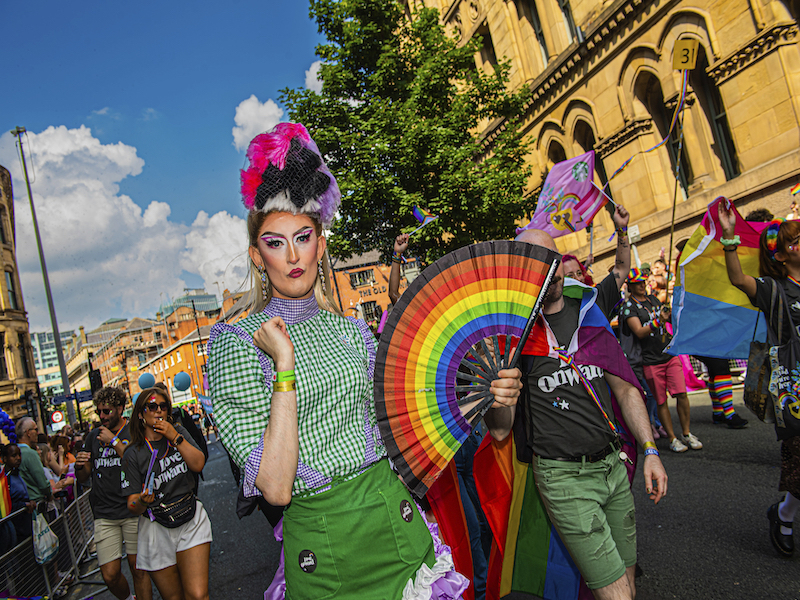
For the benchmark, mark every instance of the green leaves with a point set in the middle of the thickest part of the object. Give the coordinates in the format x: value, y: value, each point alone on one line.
x: 400, y: 120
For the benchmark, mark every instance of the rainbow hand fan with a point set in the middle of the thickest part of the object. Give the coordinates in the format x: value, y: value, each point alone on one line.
x: 434, y: 365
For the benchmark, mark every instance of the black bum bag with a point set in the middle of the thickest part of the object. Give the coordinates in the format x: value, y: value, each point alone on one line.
x: 176, y: 513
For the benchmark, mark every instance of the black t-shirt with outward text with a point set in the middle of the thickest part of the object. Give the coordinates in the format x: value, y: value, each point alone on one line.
x: 109, y: 493
x: 653, y: 345
x: 173, y: 479
x: 608, y: 295
x: 763, y: 298
x: 566, y: 422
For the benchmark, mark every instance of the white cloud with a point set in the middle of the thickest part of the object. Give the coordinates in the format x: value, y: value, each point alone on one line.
x: 150, y: 114
x: 102, y: 111
x: 252, y: 117
x: 313, y: 82
x: 106, y: 257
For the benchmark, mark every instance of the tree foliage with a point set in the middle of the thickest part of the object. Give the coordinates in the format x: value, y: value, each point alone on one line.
x: 399, y: 120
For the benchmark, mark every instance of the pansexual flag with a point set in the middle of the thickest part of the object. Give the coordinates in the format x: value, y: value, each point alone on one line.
x: 711, y: 317
x: 423, y: 216
x: 569, y: 199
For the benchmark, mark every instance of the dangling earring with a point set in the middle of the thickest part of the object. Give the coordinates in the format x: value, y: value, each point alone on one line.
x: 322, y: 277
x: 263, y: 274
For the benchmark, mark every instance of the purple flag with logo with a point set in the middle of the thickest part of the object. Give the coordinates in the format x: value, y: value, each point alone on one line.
x: 569, y: 200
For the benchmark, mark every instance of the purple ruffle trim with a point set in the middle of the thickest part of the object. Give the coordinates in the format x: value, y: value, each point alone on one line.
x: 449, y: 585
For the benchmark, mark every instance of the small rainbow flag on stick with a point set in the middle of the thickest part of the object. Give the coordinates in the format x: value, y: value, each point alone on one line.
x: 424, y: 217
x: 794, y: 191
x: 5, y: 495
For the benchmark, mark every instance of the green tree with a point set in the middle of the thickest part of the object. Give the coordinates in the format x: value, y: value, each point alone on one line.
x: 400, y: 121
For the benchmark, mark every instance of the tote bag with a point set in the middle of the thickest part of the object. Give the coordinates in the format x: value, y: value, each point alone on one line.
x: 757, y: 396
x: 45, y: 542
x: 784, y: 383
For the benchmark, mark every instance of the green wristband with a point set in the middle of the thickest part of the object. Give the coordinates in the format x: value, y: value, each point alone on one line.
x: 285, y: 376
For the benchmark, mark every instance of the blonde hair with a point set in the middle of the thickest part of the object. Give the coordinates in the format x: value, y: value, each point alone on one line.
x: 255, y: 298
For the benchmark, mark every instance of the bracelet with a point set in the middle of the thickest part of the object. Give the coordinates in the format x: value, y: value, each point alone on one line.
x: 113, y: 441
x: 735, y: 241
x: 622, y: 231
x: 730, y: 248
x: 284, y: 376
x: 651, y: 452
x: 397, y: 257
x: 655, y: 323
x: 283, y: 386
x: 647, y: 445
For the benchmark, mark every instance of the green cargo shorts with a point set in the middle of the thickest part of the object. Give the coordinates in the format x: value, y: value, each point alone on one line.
x: 591, y: 507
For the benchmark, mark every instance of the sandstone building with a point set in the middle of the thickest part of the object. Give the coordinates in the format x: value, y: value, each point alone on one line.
x: 601, y: 78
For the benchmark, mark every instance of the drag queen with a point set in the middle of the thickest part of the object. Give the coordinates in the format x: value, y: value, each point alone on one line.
x: 293, y: 398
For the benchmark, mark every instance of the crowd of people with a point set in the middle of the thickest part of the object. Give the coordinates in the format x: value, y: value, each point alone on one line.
x: 292, y: 387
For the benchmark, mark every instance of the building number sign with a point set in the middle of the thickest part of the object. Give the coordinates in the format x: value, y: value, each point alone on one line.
x: 684, y: 54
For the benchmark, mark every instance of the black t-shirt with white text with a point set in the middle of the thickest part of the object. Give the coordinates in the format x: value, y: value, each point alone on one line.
x: 653, y: 345
x: 608, y: 295
x: 173, y: 479
x: 763, y: 297
x: 564, y: 418
x: 109, y: 494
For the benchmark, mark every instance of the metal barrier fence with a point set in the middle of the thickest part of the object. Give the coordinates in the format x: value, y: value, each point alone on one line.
x: 21, y: 575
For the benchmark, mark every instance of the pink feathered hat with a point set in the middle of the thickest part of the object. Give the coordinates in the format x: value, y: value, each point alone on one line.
x: 287, y: 173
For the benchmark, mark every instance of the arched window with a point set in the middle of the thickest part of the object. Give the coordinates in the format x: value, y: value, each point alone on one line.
x: 555, y: 154
x: 487, y: 55
x: 531, y: 14
x: 584, y: 136
x: 573, y: 33
x: 711, y: 103
x: 648, y: 92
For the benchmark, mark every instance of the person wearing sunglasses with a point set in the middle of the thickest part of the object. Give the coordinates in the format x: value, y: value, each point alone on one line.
x: 101, y: 460
x: 174, y: 529
x: 31, y: 465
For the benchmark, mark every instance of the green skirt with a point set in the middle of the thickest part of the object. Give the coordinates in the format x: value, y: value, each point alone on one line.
x: 362, y: 539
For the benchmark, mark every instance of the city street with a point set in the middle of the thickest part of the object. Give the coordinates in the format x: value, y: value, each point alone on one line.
x: 707, y: 539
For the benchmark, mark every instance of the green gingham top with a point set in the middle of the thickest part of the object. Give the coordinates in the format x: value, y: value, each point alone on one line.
x: 334, y: 366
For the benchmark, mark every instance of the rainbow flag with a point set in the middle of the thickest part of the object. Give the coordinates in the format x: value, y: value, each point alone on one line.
x: 423, y: 216
x: 711, y: 317
x: 569, y: 199
x: 5, y: 495
x: 527, y: 554
x: 795, y: 190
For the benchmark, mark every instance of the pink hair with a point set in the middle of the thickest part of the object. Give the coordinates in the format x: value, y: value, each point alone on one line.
x: 586, y: 277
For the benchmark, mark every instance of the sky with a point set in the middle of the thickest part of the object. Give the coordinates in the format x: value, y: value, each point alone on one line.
x: 138, y: 117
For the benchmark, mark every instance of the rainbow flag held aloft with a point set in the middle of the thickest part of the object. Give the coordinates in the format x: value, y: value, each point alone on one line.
x: 423, y: 216
x: 795, y: 190
x: 711, y: 317
x: 5, y: 495
x: 569, y: 200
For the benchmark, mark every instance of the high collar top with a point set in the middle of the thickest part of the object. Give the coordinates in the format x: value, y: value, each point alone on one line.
x: 293, y: 311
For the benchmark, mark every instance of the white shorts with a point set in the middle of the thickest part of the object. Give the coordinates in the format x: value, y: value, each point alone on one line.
x: 159, y: 545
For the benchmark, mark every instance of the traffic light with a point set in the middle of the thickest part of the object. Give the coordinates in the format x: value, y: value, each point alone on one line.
x: 30, y: 405
x: 95, y: 381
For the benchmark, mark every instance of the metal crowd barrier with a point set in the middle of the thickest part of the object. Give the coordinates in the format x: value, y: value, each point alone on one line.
x: 21, y: 575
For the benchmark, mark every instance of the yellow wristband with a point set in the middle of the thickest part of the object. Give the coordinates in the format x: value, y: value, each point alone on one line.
x: 283, y: 386
x: 647, y: 445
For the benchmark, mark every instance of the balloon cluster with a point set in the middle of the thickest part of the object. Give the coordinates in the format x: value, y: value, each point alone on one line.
x: 7, y: 426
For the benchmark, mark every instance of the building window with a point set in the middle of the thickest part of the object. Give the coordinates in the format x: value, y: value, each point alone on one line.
x: 27, y: 372
x: 532, y: 15
x: 569, y: 23
x: 487, y: 55
x: 711, y: 103
x: 12, y: 291
x: 3, y: 237
x: 362, y: 278
x: 3, y: 364
x: 172, y: 361
x: 179, y: 356
x: 369, y: 308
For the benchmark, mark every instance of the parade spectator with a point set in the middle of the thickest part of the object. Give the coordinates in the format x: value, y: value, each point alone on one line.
x: 307, y: 437
x: 58, y: 484
x: 113, y: 522
x: 22, y: 523
x: 30, y: 468
x: 61, y: 446
x: 578, y: 463
x: 759, y: 215
x: 792, y: 216
x: 778, y: 264
x: 647, y: 317
x: 174, y: 546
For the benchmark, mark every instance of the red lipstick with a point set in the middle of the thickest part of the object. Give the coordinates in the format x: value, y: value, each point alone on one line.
x: 296, y: 273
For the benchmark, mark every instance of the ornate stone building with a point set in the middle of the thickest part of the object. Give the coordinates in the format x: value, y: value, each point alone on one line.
x: 17, y: 371
x: 601, y: 78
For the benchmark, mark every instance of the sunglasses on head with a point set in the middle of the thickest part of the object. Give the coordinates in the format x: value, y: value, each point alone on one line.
x: 104, y: 411
x: 154, y: 406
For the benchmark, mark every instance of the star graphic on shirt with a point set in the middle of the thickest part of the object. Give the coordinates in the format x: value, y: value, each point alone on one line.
x: 555, y: 404
x: 564, y: 405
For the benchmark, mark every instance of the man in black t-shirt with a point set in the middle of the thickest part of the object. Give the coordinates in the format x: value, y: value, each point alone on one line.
x: 113, y: 522
x: 647, y: 319
x: 578, y: 465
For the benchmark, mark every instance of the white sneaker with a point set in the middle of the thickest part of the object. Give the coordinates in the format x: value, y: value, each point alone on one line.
x: 677, y: 446
x: 691, y: 440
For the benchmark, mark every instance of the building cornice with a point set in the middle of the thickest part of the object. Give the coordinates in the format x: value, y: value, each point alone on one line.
x: 631, y: 131
x: 771, y: 38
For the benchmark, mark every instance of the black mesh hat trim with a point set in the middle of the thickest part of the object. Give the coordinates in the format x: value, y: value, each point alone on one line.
x: 299, y: 178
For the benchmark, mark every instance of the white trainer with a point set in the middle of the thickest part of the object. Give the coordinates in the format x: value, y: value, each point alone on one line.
x: 691, y: 440
x: 677, y: 446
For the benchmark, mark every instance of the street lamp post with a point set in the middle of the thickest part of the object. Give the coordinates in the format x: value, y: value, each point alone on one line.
x: 18, y: 131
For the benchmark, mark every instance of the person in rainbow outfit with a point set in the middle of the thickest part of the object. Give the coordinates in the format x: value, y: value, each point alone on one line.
x: 293, y: 398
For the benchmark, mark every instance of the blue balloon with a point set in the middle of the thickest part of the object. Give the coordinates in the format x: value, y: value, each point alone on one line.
x: 146, y: 380
x: 182, y: 381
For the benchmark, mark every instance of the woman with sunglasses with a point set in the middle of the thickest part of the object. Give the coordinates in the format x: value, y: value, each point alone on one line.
x: 293, y: 400
x: 174, y: 530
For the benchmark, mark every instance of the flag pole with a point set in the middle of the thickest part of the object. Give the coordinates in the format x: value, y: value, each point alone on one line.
x: 599, y: 189
x: 423, y: 225
x: 677, y: 179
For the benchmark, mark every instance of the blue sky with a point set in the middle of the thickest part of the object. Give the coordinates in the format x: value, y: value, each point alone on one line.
x: 131, y: 109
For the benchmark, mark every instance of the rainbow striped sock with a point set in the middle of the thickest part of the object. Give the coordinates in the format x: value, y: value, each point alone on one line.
x: 723, y: 390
